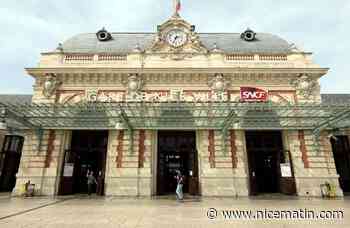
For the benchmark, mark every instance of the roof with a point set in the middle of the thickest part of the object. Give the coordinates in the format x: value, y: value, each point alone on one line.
x: 180, y: 115
x: 335, y: 99
x: 16, y: 98
x: 126, y: 42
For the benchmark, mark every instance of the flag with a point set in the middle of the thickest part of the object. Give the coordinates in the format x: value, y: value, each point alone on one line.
x: 177, y: 6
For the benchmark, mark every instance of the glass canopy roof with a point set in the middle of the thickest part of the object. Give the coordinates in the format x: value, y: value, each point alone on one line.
x: 177, y: 115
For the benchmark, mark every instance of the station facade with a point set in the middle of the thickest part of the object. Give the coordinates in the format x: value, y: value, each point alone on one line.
x: 238, y: 113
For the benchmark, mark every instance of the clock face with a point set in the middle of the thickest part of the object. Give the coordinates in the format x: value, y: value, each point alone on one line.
x: 176, y: 37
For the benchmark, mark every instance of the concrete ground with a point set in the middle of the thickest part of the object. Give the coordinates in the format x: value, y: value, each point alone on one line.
x: 82, y: 211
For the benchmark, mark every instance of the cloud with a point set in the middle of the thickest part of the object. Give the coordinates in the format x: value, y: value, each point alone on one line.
x: 33, y: 26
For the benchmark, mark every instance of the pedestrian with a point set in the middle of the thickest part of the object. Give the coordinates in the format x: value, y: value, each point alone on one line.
x: 180, y: 181
x: 100, y: 183
x: 91, y: 180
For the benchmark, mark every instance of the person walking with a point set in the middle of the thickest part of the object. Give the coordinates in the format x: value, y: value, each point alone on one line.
x: 180, y: 181
x: 100, y: 182
x: 91, y: 180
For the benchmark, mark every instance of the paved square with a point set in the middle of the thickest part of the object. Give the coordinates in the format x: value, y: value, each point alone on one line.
x: 81, y: 211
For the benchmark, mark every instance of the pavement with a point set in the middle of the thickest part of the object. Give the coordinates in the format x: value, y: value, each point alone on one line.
x: 104, y: 212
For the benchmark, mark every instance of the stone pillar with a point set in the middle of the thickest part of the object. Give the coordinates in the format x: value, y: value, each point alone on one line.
x: 311, y: 167
x: 40, y: 165
x: 128, y: 173
x: 228, y: 177
x: 241, y: 177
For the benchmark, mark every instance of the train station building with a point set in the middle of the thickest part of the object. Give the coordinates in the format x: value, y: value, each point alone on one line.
x: 238, y: 114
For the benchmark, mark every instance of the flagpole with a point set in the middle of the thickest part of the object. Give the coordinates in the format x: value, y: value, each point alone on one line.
x: 177, y: 5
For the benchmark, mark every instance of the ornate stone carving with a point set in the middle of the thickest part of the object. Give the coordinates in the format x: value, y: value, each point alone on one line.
x: 133, y: 86
x: 51, y: 84
x: 192, y: 43
x: 218, y: 83
x: 196, y: 43
x: 294, y: 48
x: 304, y: 86
x: 158, y: 42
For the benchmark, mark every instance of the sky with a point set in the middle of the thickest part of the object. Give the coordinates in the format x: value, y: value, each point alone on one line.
x: 29, y: 27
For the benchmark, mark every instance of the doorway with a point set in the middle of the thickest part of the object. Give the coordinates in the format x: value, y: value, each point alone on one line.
x: 10, y: 157
x: 265, y: 154
x: 341, y: 153
x: 88, y: 153
x: 177, y: 151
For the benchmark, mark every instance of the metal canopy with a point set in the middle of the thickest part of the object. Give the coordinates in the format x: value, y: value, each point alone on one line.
x: 177, y: 115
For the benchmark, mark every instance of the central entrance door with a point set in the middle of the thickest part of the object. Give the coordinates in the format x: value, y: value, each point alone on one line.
x: 265, y: 153
x: 87, y: 153
x: 177, y: 151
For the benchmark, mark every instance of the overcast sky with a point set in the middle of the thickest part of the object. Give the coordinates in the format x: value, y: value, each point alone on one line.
x: 29, y: 27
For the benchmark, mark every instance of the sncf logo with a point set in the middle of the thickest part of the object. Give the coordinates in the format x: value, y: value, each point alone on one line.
x: 253, y: 94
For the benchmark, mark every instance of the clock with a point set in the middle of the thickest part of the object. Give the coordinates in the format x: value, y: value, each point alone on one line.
x: 176, y: 38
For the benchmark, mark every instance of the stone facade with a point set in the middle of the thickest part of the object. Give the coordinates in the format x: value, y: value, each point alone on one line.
x: 70, y: 78
x: 224, y: 175
x: 41, y: 164
x: 125, y: 175
x: 312, y: 167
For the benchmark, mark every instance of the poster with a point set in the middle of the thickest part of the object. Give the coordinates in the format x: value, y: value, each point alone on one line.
x: 68, y: 170
x: 286, y: 170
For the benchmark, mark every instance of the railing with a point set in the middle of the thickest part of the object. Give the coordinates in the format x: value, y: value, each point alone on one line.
x: 240, y: 57
x: 90, y: 58
x: 251, y: 57
x: 109, y: 57
x: 273, y: 57
x: 73, y: 58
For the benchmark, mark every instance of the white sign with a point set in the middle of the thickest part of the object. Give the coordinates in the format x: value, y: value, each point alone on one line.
x: 68, y: 170
x: 286, y: 170
x: 252, y: 94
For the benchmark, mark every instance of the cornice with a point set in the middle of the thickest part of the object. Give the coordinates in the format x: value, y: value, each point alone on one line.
x: 82, y: 70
